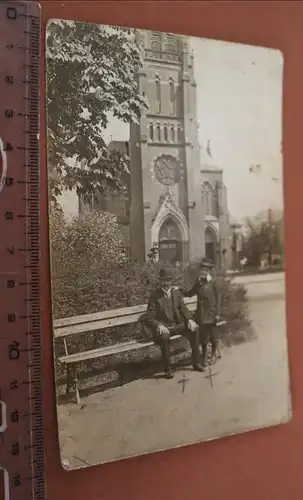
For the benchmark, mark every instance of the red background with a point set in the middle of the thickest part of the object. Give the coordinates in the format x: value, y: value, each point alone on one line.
x: 265, y: 464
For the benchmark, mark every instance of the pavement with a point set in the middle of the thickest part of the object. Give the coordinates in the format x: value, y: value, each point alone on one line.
x: 268, y: 286
x: 250, y: 390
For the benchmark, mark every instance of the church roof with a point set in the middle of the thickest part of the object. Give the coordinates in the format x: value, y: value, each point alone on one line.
x: 234, y: 222
x: 206, y: 161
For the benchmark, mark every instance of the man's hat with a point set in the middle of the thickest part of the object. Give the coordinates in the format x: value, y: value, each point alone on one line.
x: 206, y: 264
x: 166, y: 273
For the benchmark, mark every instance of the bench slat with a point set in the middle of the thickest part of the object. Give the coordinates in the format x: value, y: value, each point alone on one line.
x: 99, y: 322
x: 113, y: 313
x: 103, y: 349
x: 96, y: 325
x: 132, y: 345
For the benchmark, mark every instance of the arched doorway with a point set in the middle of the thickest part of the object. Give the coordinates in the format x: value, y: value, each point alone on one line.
x: 170, y: 242
x: 210, y: 244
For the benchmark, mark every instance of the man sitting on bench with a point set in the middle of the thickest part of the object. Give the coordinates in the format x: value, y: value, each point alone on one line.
x: 167, y: 315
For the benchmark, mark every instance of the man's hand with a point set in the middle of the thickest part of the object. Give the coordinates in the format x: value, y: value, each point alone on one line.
x: 217, y: 318
x: 192, y: 325
x: 163, y: 330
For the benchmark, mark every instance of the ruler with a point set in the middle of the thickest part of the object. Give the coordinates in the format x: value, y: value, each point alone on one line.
x: 21, y: 424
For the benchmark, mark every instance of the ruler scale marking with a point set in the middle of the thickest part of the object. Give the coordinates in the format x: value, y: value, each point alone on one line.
x: 22, y: 443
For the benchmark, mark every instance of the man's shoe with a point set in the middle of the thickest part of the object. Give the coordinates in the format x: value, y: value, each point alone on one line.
x: 169, y: 374
x: 198, y: 368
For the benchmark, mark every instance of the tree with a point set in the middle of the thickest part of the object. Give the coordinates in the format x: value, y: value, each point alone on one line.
x: 91, y: 72
x: 265, y: 237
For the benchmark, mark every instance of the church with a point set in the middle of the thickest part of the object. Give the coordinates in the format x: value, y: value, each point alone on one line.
x: 176, y: 199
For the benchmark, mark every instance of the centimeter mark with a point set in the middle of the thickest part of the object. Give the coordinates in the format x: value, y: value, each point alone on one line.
x: 22, y: 448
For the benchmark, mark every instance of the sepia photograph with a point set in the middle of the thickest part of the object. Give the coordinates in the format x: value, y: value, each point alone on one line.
x: 166, y: 228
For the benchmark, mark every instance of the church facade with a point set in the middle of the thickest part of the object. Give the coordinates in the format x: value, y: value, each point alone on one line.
x: 176, y: 196
x: 178, y: 199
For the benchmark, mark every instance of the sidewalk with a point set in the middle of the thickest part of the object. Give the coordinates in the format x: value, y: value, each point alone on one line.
x: 250, y: 390
x: 259, y: 278
x: 263, y: 287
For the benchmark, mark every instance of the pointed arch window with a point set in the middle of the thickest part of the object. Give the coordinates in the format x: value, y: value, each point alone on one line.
x: 172, y: 96
x: 179, y: 133
x: 165, y: 133
x: 151, y: 132
x: 158, y: 95
x: 169, y: 230
x: 158, y: 133
x: 170, y: 47
x: 208, y: 199
x: 172, y: 134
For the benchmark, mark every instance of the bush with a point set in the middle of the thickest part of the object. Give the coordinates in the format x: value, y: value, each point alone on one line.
x: 81, y: 250
x: 89, y: 274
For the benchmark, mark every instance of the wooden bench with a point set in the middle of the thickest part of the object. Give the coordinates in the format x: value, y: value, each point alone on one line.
x: 79, y: 325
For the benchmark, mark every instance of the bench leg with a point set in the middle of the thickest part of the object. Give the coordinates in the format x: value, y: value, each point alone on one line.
x: 76, y: 384
x: 68, y: 379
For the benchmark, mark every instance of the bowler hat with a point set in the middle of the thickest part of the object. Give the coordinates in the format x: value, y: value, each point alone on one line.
x: 166, y: 273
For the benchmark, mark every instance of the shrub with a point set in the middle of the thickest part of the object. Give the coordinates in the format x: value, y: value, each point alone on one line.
x: 81, y: 250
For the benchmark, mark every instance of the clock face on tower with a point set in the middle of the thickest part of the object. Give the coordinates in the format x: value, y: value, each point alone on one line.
x: 167, y: 170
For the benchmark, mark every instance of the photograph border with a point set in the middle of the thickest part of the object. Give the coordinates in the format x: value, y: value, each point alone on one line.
x: 248, y: 23
x: 214, y: 226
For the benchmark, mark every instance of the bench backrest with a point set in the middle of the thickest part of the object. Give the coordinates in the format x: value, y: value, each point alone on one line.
x: 106, y: 319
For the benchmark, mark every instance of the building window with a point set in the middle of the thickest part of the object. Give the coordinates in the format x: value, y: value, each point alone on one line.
x: 170, y: 47
x: 167, y: 170
x: 170, y: 242
x: 171, y: 91
x: 172, y: 97
x: 151, y: 132
x: 158, y: 133
x: 169, y: 230
x: 165, y: 134
x: 172, y: 134
x: 208, y: 200
x: 158, y: 95
x: 179, y: 134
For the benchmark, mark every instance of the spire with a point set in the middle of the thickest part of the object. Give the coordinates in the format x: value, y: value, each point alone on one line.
x: 208, y: 150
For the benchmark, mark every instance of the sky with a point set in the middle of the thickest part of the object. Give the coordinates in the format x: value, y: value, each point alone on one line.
x: 239, y: 110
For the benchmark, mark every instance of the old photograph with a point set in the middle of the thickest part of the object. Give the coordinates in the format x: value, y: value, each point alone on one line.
x: 166, y: 227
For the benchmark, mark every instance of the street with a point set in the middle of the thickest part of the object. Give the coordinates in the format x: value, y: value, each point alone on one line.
x: 250, y: 390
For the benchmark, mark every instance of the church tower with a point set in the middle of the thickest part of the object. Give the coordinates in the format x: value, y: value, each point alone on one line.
x: 166, y: 208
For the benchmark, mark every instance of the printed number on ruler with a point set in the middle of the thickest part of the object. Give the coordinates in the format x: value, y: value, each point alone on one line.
x: 21, y: 425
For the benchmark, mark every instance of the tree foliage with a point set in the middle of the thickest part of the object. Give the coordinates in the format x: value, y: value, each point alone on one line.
x: 91, y: 73
x: 265, y: 238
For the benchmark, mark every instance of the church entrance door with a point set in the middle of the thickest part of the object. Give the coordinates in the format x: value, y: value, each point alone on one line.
x: 170, y: 244
x: 210, y: 245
